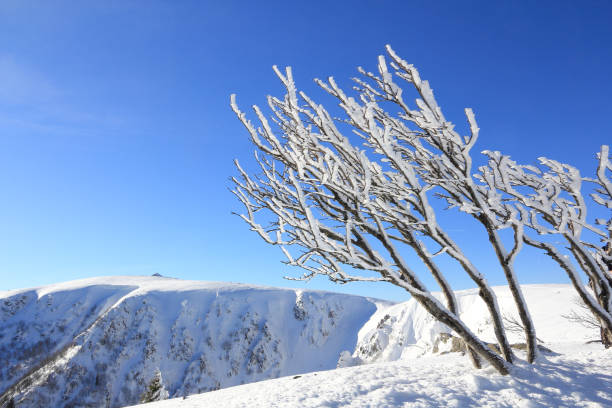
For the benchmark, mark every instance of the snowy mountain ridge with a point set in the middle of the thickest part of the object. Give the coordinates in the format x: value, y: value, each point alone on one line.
x: 395, y: 365
x: 98, y: 342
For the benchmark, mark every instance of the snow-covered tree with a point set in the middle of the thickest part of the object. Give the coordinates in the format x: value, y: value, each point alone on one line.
x: 549, y: 200
x: 155, y: 390
x: 361, y: 205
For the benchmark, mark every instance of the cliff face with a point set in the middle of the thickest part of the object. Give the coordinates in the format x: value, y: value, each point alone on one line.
x: 99, y: 342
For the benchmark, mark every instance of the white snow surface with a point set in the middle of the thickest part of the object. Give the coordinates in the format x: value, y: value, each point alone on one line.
x: 403, y: 372
x: 579, y: 377
x: 99, y: 342
x: 406, y: 330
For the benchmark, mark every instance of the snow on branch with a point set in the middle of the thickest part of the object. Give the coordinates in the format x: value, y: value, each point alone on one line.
x: 332, y: 203
x: 550, y: 200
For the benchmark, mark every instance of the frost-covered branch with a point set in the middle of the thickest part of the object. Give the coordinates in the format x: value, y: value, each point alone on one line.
x: 421, y: 144
x: 582, y: 316
x: 549, y: 200
x: 331, y: 203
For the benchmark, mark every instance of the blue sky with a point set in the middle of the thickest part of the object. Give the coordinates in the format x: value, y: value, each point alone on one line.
x: 117, y: 140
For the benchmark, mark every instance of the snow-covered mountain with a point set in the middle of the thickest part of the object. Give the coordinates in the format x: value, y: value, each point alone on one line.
x: 406, y: 330
x: 99, y: 342
x: 577, y: 376
x: 396, y: 366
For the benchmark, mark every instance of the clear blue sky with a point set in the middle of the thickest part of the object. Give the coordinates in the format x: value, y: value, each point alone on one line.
x: 117, y: 140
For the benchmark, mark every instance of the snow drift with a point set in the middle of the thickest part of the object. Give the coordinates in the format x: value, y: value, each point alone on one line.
x: 406, y: 330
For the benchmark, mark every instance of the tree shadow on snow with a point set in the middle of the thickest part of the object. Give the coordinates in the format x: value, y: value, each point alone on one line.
x: 554, y: 382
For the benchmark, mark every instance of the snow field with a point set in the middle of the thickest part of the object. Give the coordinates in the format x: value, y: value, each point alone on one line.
x: 396, y: 368
x: 578, y: 376
x: 110, y: 335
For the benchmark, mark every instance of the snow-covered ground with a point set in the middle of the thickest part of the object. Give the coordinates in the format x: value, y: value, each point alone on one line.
x: 397, y: 367
x: 99, y: 342
x: 406, y: 330
x: 579, y: 376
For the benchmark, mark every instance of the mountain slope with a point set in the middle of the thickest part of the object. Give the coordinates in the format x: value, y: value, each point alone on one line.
x: 406, y: 330
x: 579, y: 376
x: 98, y: 342
x: 396, y: 365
